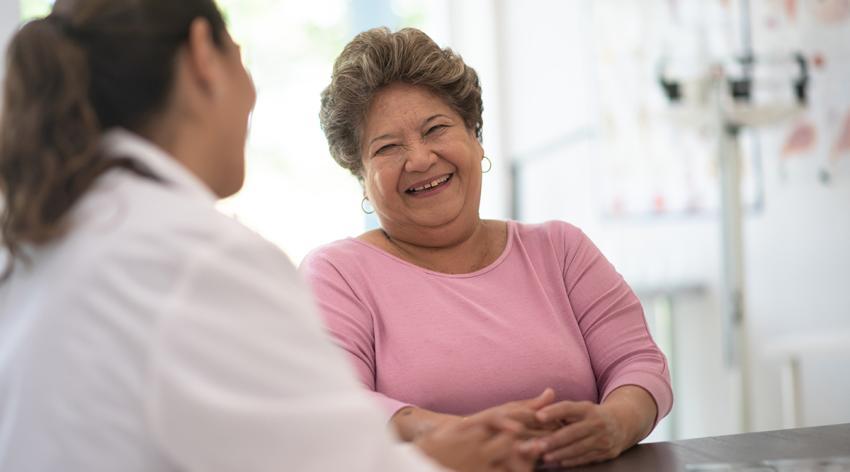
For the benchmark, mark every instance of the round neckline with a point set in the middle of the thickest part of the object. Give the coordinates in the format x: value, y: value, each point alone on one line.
x: 508, y: 245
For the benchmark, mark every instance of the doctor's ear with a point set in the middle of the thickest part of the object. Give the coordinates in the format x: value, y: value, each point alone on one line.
x: 203, y: 55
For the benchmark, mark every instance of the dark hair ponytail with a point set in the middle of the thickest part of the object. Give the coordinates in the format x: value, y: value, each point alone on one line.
x: 48, y: 135
x: 89, y: 66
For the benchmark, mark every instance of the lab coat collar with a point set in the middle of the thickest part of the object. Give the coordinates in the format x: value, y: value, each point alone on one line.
x: 118, y: 142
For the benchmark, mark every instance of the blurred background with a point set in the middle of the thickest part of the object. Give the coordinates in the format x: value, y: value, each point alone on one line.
x: 752, y: 307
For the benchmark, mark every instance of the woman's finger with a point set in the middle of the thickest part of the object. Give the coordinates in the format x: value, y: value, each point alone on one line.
x: 566, y: 410
x: 530, y: 448
x: 534, y: 433
x: 508, y: 425
x: 495, y: 421
x: 538, y: 402
x: 569, y: 435
x: 498, y: 448
x: 527, y: 417
x: 520, y: 462
x: 591, y: 444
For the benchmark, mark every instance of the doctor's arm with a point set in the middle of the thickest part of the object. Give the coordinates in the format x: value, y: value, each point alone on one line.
x: 242, y: 378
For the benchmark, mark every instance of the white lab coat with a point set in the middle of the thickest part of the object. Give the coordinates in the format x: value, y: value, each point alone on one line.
x: 160, y: 335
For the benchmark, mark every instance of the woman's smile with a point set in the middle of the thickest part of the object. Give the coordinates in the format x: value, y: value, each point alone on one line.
x: 429, y: 187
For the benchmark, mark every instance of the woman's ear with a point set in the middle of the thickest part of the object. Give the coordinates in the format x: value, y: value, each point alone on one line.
x: 202, y: 55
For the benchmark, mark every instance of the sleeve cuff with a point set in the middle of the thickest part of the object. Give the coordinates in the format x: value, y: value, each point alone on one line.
x: 389, y: 406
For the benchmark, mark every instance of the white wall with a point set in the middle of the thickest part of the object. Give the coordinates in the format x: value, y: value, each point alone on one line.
x: 9, y: 17
x: 797, y: 248
x: 553, y: 88
x: 798, y: 261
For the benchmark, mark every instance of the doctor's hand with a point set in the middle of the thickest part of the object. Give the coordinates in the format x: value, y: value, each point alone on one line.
x: 487, y: 443
x: 591, y: 433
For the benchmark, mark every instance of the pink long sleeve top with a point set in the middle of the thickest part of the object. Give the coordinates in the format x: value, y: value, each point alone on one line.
x: 551, y: 311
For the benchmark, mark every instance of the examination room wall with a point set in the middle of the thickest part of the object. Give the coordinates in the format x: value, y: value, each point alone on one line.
x: 596, y: 144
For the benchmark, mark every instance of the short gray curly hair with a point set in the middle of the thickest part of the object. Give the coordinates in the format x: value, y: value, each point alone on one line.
x: 377, y: 57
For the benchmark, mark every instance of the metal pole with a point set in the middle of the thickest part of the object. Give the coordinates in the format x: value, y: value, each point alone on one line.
x: 731, y: 227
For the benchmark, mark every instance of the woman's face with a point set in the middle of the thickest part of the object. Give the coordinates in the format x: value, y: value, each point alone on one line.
x: 421, y: 164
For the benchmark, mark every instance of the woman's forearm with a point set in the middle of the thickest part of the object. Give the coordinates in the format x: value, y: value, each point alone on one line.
x: 636, y: 410
x: 411, y: 422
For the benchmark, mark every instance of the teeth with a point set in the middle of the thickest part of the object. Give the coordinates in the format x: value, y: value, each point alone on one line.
x: 430, y: 184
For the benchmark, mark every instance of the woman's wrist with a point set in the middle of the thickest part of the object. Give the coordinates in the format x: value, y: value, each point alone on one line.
x: 634, y: 409
x: 411, y: 423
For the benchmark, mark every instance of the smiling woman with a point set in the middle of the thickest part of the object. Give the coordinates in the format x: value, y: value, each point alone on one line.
x: 421, y: 170
x: 445, y: 315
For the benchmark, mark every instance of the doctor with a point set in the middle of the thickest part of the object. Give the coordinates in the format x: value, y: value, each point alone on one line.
x: 140, y: 330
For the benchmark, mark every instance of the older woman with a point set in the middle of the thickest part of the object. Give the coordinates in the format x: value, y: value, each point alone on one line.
x: 444, y: 314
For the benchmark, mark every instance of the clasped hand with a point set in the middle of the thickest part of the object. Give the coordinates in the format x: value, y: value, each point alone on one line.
x: 566, y: 433
x: 512, y: 437
x: 584, y: 433
x: 499, y: 439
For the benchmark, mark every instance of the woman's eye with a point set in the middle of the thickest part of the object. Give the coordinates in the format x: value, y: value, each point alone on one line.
x: 436, y: 128
x: 384, y: 149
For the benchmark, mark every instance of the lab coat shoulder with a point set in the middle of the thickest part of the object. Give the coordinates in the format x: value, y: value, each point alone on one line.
x: 241, y: 375
x: 132, y: 238
x: 126, y: 209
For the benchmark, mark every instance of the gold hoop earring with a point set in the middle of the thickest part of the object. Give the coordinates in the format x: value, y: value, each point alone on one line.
x: 363, y: 206
x: 489, y: 164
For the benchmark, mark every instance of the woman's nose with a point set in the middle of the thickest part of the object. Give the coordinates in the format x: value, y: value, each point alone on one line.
x: 419, y: 158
